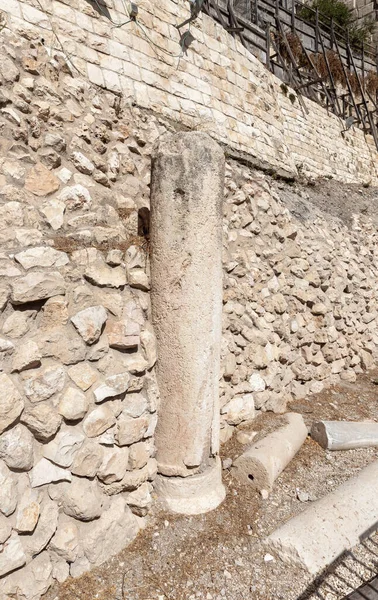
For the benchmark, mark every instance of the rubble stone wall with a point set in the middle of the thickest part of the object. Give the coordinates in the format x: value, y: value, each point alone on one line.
x: 216, y: 86
x: 78, y: 396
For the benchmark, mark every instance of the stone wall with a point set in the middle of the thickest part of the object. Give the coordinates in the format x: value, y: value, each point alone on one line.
x: 217, y: 86
x: 78, y: 396
x: 300, y: 299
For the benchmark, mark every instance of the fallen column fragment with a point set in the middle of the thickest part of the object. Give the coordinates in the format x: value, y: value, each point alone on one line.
x: 345, y: 435
x: 262, y: 463
x: 321, y: 533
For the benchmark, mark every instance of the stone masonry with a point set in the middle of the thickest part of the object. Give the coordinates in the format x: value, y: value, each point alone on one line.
x: 78, y: 394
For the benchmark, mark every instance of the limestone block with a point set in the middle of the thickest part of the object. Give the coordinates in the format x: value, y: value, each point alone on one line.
x: 75, y: 197
x: 239, y: 409
x: 101, y: 274
x: 140, y: 500
x: 37, y: 286
x: 54, y: 210
x: 26, y: 356
x: 41, y: 182
x: 73, y: 405
x: 98, y: 420
x: 44, y: 530
x: 12, y: 555
x: 63, y: 448
x: 18, y: 323
x: 46, y: 472
x: 42, y: 420
x: 8, y: 490
x: 88, y: 459
x: 131, y: 430
x: 134, y: 405
x: 28, y: 511
x: 123, y: 335
x: 82, y: 163
x: 16, y: 448
x: 139, y: 455
x: 80, y: 499
x: 112, y: 532
x: 42, y: 257
x: 113, y: 386
x: 65, y: 543
x: 11, y: 402
x: 83, y: 375
x: 45, y: 383
x: 89, y: 323
x: 114, y: 465
x: 5, y: 529
x: 31, y: 582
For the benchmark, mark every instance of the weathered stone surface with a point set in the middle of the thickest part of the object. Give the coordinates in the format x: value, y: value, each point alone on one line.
x: 12, y: 555
x: 138, y: 455
x: 116, y: 528
x: 8, y: 490
x: 149, y: 344
x: 60, y: 568
x: 31, y: 582
x: 65, y: 542
x: 88, y: 459
x: 239, y: 409
x: 16, y: 448
x: 135, y: 404
x: 63, y: 448
x: 79, y: 567
x: 98, y: 421
x: 43, y: 256
x: 37, y: 286
x: 89, y: 323
x: 44, y: 384
x: 11, y: 402
x: 18, y: 323
x: 140, y: 500
x: 114, y: 465
x: 73, y: 405
x: 113, y: 386
x: 28, y: 511
x: 46, y: 472
x: 75, y: 197
x: 131, y: 430
x: 82, y: 163
x: 101, y: 274
x: 123, y: 335
x: 63, y: 345
x: 5, y: 529
x: 40, y: 181
x: 44, y: 530
x: 80, y: 498
x: 83, y: 375
x: 26, y: 356
x: 42, y: 420
x: 53, y: 210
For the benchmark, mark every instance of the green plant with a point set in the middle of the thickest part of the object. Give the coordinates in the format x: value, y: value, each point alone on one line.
x: 343, y: 16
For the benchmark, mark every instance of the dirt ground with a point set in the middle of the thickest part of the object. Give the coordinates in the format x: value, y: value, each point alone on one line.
x: 221, y: 555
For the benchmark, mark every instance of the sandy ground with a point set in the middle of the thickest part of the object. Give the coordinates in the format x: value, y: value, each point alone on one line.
x: 221, y: 555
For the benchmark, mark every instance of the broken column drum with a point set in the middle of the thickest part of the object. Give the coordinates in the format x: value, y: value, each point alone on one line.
x: 186, y: 273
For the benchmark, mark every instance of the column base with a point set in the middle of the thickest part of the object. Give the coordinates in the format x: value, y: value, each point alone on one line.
x: 192, y: 495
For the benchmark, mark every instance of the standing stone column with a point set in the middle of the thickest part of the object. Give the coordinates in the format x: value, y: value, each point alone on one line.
x: 186, y: 272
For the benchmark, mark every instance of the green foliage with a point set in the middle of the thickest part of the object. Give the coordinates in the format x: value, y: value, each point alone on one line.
x: 343, y: 16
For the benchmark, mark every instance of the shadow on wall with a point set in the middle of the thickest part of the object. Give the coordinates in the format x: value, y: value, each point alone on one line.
x: 348, y: 567
x: 100, y: 7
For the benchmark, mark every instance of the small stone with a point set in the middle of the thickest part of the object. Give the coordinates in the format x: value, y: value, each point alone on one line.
x: 89, y: 323
x: 56, y: 141
x: 32, y: 581
x: 149, y: 345
x: 44, y: 530
x: 16, y: 448
x: 269, y: 558
x: 138, y: 455
x: 123, y: 335
x: 131, y: 430
x: 226, y: 463
x: 257, y: 383
x: 42, y: 420
x: 302, y: 496
x: 245, y: 437
x: 99, y: 273
x: 37, y: 286
x: 53, y: 210
x: 63, y: 448
x: 65, y: 542
x: 137, y: 278
x: 80, y: 499
x: 42, y: 257
x: 98, y: 421
x: 83, y: 375
x: 140, y: 500
x: 113, y: 386
x: 75, y: 197
x: 114, y: 258
x: 82, y: 163
x: 5, y: 529
x: 135, y: 404
x: 12, y: 555
x: 27, y: 356
x: 79, y: 567
x: 44, y: 384
x: 239, y: 409
x: 88, y: 459
x: 114, y: 465
x: 11, y: 402
x: 8, y: 491
x: 28, y: 511
x: 116, y: 529
x: 40, y: 181
x: 45, y: 472
x: 73, y: 405
x: 18, y: 323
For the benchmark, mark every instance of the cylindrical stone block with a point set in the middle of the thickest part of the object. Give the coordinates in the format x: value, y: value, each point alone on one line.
x: 330, y: 526
x: 186, y: 277
x: 262, y: 463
